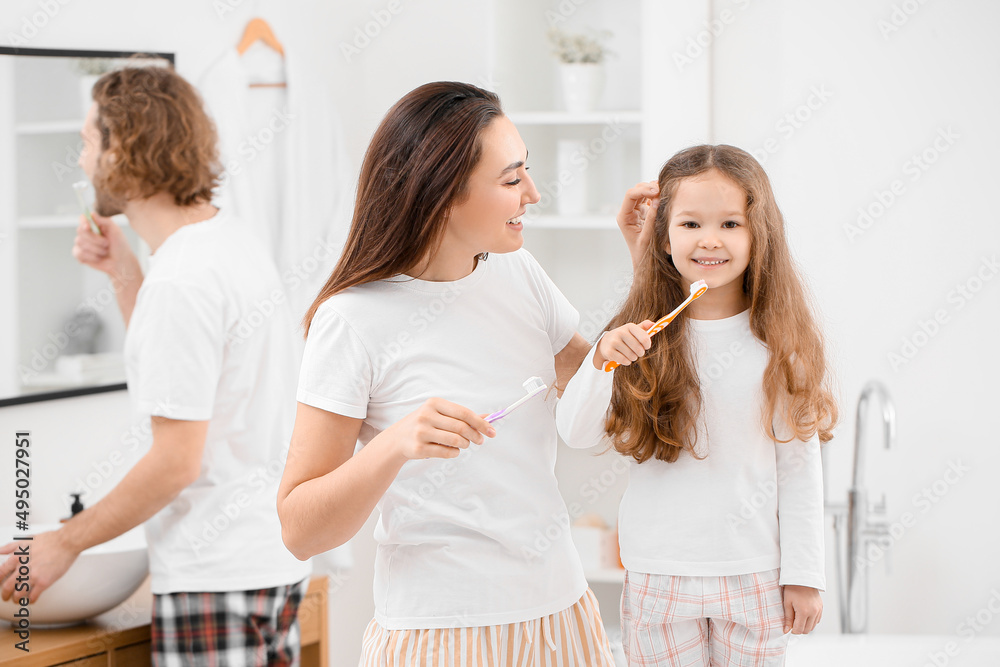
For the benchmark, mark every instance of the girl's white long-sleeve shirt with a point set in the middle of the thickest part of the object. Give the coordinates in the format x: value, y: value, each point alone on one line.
x: 750, y: 505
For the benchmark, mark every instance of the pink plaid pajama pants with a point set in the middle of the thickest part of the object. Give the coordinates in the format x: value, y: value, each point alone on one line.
x: 675, y: 621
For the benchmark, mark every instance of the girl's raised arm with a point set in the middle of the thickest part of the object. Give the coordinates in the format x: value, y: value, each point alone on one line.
x: 638, y: 208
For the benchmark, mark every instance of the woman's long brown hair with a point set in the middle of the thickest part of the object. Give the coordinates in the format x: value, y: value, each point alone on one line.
x: 656, y: 402
x: 416, y: 168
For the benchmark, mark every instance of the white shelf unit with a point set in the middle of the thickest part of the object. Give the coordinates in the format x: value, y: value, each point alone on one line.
x: 47, y: 222
x: 71, y: 126
x: 581, y: 162
x: 61, y: 221
x: 659, y: 109
x: 43, y: 284
x: 568, y: 222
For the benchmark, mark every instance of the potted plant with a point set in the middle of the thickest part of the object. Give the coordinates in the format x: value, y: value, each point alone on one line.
x: 580, y: 67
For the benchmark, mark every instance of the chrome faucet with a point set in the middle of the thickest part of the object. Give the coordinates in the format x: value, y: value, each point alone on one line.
x: 865, y: 523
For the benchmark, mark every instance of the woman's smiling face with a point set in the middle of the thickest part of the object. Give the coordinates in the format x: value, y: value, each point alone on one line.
x: 498, y: 192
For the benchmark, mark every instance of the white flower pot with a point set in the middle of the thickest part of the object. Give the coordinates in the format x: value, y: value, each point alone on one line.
x: 582, y: 85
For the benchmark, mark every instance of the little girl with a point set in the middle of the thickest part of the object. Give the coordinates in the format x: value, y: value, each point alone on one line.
x: 723, y: 413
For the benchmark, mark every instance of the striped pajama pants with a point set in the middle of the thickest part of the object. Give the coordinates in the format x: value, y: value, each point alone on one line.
x: 671, y: 621
x: 573, y: 637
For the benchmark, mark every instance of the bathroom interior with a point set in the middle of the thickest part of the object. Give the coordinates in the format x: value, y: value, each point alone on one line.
x: 875, y: 122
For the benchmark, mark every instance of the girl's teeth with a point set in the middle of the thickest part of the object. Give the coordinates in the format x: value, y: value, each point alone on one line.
x: 715, y: 263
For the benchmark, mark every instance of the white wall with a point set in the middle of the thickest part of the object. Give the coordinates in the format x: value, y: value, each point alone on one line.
x: 882, y: 96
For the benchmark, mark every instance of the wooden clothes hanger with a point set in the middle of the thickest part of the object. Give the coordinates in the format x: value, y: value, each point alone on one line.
x: 258, y: 30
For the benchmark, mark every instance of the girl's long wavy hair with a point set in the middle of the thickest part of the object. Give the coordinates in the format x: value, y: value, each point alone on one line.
x: 416, y: 169
x: 656, y: 402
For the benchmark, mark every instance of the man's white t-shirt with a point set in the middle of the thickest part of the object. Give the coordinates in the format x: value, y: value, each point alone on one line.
x: 211, y: 338
x: 481, y: 539
x: 750, y: 505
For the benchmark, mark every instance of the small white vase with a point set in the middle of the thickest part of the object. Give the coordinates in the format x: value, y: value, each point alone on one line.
x: 582, y: 85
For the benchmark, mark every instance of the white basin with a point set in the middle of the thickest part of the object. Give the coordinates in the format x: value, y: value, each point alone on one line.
x: 101, y: 578
x: 893, y: 650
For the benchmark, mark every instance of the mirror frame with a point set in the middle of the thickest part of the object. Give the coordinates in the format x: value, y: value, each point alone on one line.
x: 72, y: 53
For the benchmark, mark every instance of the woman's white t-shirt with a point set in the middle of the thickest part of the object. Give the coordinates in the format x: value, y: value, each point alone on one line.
x: 481, y: 539
x: 211, y: 338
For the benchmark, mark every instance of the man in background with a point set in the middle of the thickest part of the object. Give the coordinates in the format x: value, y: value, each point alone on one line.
x: 210, y: 358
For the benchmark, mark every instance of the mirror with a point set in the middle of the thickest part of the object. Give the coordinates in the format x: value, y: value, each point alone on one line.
x: 62, y: 334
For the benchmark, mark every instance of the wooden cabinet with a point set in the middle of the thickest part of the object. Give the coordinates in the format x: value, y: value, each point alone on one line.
x: 112, y: 641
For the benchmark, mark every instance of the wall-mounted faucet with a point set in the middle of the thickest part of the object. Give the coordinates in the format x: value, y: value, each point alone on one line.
x: 865, y: 523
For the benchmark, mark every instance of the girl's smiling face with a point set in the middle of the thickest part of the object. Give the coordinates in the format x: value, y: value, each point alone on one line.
x: 707, y: 234
x: 498, y: 192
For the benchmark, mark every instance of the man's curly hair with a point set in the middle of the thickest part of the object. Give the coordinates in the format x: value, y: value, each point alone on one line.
x: 155, y: 137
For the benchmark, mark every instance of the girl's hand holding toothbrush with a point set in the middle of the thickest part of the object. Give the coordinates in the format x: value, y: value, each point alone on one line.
x: 623, y: 345
x: 108, y: 252
x: 437, y: 429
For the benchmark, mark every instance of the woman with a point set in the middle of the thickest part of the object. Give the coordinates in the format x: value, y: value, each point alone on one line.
x: 414, y: 337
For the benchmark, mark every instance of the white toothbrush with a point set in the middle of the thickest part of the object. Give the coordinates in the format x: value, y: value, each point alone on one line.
x: 698, y: 288
x: 79, y: 188
x: 532, y: 385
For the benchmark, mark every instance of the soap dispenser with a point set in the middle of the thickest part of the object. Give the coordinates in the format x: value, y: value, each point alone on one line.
x: 75, y: 508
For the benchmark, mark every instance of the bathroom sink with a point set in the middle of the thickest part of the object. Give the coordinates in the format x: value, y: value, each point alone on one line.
x: 101, y: 578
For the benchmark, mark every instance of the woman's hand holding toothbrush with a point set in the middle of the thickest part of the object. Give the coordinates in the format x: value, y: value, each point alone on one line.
x: 437, y: 429
x: 623, y: 345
